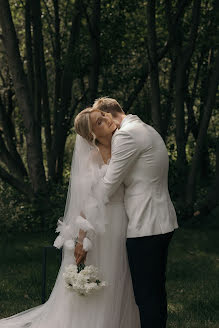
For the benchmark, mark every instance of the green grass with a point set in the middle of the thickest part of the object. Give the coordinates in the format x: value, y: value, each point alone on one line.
x: 193, y: 272
x: 192, y: 277
x: 21, y: 271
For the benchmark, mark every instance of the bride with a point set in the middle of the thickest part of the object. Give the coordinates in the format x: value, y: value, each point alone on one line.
x: 99, y: 233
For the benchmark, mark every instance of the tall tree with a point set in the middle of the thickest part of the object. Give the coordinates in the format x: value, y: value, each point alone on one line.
x: 61, y: 124
x: 209, y: 105
x: 93, y: 21
x: 183, y: 55
x: 153, y: 64
x: 34, y: 149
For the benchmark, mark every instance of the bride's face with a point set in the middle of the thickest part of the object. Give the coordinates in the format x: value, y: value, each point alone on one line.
x: 102, y: 124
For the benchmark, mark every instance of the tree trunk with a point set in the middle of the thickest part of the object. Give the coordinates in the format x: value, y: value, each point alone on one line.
x: 41, y: 94
x: 8, y: 160
x: 34, y: 151
x: 36, y: 19
x: 21, y: 186
x: 180, y: 117
x: 29, y: 50
x: 153, y: 62
x: 212, y: 90
x: 62, y: 117
x: 183, y: 55
x: 94, y: 27
x: 10, y: 151
x: 167, y: 115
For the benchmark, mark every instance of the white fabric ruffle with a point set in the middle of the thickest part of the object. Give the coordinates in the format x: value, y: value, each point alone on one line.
x: 84, y: 224
x: 87, y: 244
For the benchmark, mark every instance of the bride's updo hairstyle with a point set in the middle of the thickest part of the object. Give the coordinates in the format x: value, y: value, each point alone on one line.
x: 83, y: 126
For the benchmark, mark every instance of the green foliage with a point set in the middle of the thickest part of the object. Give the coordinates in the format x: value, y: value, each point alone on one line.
x: 17, y: 215
x: 124, y: 55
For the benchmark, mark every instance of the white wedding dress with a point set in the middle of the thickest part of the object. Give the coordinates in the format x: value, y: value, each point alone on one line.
x: 112, y: 307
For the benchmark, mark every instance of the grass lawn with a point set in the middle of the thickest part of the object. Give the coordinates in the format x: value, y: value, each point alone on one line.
x: 192, y: 281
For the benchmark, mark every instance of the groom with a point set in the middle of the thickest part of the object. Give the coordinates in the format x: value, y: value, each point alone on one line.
x: 140, y: 161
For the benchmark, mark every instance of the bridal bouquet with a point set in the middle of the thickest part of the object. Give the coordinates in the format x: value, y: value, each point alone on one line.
x: 83, y: 279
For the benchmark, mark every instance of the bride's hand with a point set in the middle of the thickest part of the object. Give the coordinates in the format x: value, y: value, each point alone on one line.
x: 80, y: 254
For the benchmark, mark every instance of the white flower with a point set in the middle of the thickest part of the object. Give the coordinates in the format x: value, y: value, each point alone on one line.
x: 85, y: 282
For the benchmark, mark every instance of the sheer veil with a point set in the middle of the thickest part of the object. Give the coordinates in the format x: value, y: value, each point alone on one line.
x: 86, y: 168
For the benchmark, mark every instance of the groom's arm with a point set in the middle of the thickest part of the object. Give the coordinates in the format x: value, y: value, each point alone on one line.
x: 124, y: 153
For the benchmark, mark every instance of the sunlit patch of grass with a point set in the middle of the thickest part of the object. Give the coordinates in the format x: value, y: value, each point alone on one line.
x: 175, y: 308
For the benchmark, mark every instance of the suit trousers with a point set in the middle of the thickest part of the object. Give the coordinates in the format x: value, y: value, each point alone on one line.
x: 147, y: 260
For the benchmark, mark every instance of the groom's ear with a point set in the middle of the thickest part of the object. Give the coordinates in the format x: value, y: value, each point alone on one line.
x: 117, y: 123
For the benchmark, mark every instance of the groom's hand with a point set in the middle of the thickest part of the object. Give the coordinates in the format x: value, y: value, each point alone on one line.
x: 80, y: 254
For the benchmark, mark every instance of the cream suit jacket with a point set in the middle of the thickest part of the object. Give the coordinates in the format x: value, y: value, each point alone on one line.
x: 140, y: 161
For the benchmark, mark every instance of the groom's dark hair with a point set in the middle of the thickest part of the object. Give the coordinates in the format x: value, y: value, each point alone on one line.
x: 108, y: 105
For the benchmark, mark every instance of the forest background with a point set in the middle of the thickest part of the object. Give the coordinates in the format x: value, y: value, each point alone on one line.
x: 159, y: 59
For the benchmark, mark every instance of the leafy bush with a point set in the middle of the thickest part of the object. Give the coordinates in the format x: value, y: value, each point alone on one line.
x: 17, y: 215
